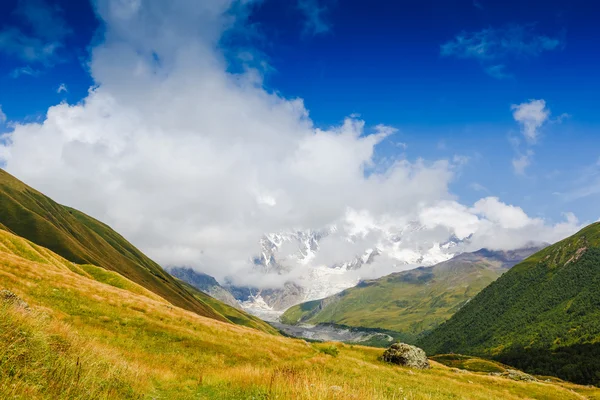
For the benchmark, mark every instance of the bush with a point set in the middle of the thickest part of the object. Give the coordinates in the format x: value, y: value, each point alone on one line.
x: 330, y: 350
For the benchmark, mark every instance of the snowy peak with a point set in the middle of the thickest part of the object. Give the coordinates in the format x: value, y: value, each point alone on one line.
x: 313, y: 264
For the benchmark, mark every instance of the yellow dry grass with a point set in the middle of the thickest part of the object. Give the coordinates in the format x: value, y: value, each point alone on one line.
x: 84, y: 338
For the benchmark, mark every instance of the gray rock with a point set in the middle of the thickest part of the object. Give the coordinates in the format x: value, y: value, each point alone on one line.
x: 8, y: 297
x: 518, y: 375
x: 406, y: 355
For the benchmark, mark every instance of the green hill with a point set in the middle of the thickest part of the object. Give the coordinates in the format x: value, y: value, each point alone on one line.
x: 84, y: 240
x: 410, y: 302
x: 542, y: 316
x: 90, y: 333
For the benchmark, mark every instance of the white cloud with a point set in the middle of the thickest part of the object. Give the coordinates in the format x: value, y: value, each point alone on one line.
x: 492, y: 224
x: 531, y: 116
x: 27, y: 70
x: 315, y: 23
x: 498, y: 71
x: 43, y: 38
x: 2, y: 116
x: 479, y: 187
x: 491, y: 45
x: 521, y: 162
x: 62, y: 88
x: 193, y: 163
x: 498, y: 43
x: 461, y: 160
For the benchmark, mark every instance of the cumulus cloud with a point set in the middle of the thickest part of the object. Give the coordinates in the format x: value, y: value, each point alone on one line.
x: 490, y: 45
x: 194, y: 164
x: 531, y: 116
x: 62, y: 88
x: 2, y: 116
x: 492, y: 224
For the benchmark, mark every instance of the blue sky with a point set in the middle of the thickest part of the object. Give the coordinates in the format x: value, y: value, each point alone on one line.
x: 444, y: 73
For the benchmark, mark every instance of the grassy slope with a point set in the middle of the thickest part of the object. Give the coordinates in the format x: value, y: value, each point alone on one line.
x: 543, y: 315
x: 410, y: 302
x: 232, y: 314
x: 87, y: 339
x: 84, y: 240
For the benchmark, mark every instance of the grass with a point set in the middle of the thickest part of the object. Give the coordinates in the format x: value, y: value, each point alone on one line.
x: 410, y: 302
x: 473, y: 364
x: 84, y: 240
x: 42, y: 358
x: 93, y: 336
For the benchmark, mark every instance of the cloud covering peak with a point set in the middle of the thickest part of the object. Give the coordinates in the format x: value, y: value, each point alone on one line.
x: 194, y: 164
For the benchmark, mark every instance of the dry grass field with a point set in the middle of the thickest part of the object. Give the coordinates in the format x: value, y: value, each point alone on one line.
x: 91, y: 333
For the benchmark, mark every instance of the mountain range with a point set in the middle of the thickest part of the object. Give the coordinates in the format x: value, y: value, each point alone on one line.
x: 299, y: 254
x: 410, y: 302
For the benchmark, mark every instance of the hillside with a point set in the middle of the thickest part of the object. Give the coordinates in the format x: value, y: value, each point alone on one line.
x: 81, y: 239
x: 410, y: 302
x: 204, y: 283
x: 542, y: 316
x: 91, y: 333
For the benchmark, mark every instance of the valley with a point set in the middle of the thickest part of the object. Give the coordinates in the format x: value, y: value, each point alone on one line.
x: 92, y: 331
x: 100, y: 335
x: 411, y: 302
x: 299, y: 200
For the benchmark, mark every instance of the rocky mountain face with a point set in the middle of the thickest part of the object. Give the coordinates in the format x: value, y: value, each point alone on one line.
x: 205, y: 283
x: 304, y: 256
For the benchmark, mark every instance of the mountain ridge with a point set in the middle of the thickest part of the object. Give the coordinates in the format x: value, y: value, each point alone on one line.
x: 542, y: 316
x: 83, y: 240
x: 410, y: 302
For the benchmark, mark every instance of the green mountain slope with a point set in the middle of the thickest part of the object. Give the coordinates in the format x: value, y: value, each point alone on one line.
x: 542, y: 316
x: 84, y: 240
x: 410, y: 302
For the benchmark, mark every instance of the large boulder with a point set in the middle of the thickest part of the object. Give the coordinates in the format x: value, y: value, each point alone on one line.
x: 406, y: 355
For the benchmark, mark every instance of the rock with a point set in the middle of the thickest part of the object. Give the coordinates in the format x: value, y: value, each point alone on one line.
x: 406, y: 355
x: 6, y: 296
x: 518, y: 375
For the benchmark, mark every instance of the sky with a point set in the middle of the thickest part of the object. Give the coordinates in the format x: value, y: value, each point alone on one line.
x: 193, y: 127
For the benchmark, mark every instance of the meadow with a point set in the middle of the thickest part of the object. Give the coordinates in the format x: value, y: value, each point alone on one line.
x: 91, y: 333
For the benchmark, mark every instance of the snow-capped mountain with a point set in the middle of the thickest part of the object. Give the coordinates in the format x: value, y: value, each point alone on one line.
x: 318, y: 263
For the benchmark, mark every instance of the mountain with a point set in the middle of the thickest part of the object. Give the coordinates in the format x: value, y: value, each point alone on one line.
x: 79, y: 331
x: 542, y: 316
x: 316, y: 277
x: 410, y: 302
x: 205, y: 283
x: 82, y: 239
